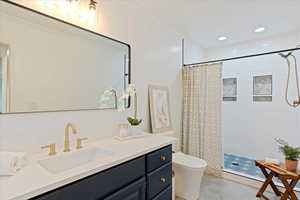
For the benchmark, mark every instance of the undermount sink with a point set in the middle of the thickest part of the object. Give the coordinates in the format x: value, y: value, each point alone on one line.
x: 70, y: 160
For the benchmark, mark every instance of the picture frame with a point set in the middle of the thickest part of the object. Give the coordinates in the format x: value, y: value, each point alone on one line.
x: 229, y: 89
x: 159, y: 100
x: 263, y: 88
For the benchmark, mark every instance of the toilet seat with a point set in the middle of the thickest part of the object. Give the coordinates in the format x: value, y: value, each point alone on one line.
x: 187, y: 161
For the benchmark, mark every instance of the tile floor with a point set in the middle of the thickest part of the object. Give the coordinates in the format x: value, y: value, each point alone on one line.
x: 219, y: 189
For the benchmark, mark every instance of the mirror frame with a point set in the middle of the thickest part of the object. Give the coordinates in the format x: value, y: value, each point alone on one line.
x: 84, y: 29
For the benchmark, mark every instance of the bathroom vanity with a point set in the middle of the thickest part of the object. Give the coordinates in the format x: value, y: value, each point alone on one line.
x: 139, y: 169
x: 146, y: 177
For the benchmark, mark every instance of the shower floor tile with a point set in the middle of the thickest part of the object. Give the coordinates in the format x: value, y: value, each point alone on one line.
x: 246, y: 167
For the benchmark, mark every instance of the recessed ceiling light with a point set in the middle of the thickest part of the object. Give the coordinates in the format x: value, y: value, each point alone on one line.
x: 222, y: 38
x: 259, y: 30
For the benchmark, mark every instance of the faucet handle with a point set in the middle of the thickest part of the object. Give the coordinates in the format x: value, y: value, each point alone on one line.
x: 51, y: 147
x: 79, y: 142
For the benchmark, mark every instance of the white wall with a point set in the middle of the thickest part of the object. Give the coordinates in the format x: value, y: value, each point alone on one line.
x: 1, y: 84
x: 249, y: 128
x: 156, y: 59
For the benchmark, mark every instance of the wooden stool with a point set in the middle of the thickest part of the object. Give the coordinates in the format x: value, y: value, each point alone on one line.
x: 283, y: 175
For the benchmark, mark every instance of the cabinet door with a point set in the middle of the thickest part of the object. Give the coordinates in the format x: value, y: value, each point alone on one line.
x: 164, y: 195
x: 80, y: 190
x: 134, y: 191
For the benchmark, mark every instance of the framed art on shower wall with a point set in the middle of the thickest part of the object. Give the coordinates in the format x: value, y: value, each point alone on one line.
x: 262, y: 88
x: 160, y: 108
x: 230, y: 89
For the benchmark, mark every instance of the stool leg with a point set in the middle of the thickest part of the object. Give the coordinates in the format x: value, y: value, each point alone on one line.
x: 265, y: 185
x: 265, y: 173
x: 289, y: 189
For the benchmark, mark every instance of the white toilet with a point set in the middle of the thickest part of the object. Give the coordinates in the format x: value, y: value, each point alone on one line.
x: 188, y: 172
x: 188, y: 175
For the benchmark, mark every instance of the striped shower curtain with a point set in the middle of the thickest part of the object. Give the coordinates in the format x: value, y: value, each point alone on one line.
x: 201, y: 114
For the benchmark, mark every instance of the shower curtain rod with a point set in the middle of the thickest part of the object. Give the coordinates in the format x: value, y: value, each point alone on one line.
x: 234, y: 58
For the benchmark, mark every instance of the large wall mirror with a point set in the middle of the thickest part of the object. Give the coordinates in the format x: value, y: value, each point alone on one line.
x: 50, y: 65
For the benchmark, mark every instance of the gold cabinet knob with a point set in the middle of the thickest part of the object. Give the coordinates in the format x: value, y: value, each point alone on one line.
x: 163, y: 158
x: 163, y: 180
x: 51, y: 148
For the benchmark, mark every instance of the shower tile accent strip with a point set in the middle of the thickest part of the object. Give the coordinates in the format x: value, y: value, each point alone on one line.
x: 246, y: 167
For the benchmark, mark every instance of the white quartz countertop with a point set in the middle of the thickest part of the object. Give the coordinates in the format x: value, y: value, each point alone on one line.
x: 34, y: 180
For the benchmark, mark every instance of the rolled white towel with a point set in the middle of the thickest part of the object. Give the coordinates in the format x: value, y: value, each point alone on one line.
x: 12, y: 162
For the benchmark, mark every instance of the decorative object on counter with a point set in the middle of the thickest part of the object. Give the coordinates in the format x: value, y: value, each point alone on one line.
x: 131, y: 137
x: 106, y: 99
x: 123, y: 130
x: 292, y: 154
x: 133, y: 121
x: 12, y: 162
x: 160, y: 109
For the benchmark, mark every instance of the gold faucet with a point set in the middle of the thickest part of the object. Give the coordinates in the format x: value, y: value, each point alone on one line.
x: 79, y: 142
x: 67, y: 136
x: 51, y: 148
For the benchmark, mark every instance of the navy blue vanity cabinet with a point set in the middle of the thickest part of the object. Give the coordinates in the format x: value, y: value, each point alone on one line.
x: 166, y: 194
x: 159, y: 158
x: 100, y: 185
x: 135, y: 191
x: 54, y: 195
x: 143, y: 178
x: 159, y: 174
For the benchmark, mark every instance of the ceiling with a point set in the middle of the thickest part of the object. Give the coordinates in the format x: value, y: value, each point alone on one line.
x: 206, y: 20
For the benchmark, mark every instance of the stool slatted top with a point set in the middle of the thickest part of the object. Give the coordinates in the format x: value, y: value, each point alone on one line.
x: 288, y: 179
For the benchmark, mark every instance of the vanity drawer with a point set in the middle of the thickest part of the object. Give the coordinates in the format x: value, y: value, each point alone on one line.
x: 159, y: 180
x: 159, y: 158
x: 164, y: 195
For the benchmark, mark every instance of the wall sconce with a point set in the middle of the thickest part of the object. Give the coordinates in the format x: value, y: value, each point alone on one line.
x: 82, y: 10
x: 93, y: 5
x: 92, y: 18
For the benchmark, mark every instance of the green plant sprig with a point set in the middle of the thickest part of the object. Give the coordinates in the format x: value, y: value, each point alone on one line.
x: 290, y: 153
x: 134, y: 121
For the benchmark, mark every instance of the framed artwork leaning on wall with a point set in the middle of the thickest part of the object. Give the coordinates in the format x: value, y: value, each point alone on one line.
x: 159, y: 99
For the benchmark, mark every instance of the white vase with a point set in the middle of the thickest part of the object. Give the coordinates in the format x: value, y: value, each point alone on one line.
x: 135, y: 130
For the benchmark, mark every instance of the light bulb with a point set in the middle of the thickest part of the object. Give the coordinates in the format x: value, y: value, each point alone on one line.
x: 69, y: 7
x: 73, y: 8
x: 260, y: 29
x: 64, y: 7
x: 222, y: 38
x: 48, y: 3
x: 92, y: 16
